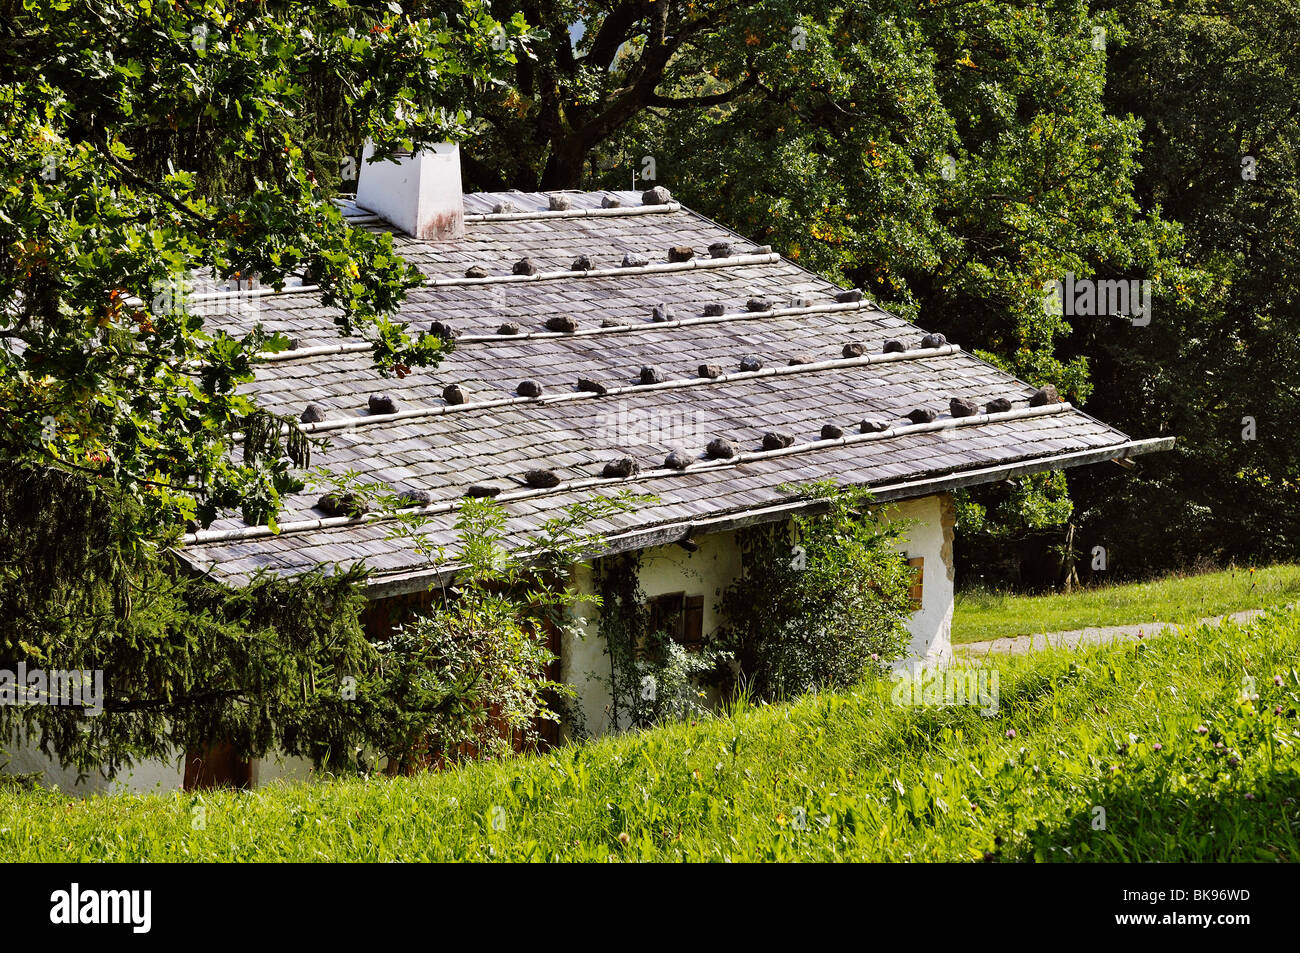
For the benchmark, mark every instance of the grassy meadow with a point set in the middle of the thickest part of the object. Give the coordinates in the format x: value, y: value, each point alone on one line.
x: 1183, y: 748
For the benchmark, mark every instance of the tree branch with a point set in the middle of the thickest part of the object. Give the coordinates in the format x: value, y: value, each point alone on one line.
x: 150, y: 187
x: 613, y: 33
x: 715, y: 99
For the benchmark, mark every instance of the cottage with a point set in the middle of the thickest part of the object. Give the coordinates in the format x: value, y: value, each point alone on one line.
x: 607, y: 341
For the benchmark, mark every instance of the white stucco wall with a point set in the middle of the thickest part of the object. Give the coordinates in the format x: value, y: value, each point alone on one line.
x: 148, y: 777
x: 664, y: 569
x: 716, y: 564
x: 583, y: 663
x: 931, y: 537
x: 270, y: 769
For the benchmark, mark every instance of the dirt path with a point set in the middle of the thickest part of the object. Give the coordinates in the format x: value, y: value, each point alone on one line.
x: 1097, y: 635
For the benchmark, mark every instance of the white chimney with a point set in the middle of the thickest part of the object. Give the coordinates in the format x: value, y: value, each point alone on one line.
x: 420, y: 193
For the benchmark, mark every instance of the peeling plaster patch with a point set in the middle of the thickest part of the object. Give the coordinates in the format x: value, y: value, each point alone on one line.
x: 948, y: 522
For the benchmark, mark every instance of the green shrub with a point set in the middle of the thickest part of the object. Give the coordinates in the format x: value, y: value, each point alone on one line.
x: 470, y: 676
x: 817, y: 607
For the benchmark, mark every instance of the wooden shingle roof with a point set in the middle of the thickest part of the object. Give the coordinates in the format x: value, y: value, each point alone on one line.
x: 683, y: 326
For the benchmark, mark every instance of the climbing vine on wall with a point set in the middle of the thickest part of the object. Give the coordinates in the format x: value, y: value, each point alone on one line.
x: 652, y: 678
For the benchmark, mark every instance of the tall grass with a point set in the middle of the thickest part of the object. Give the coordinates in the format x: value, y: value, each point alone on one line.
x: 1167, y: 737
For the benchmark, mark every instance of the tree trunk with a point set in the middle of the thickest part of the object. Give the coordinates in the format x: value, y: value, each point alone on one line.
x: 1067, y: 573
x: 565, y: 165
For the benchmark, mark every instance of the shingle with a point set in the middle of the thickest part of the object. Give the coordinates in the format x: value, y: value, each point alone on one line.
x: 444, y: 453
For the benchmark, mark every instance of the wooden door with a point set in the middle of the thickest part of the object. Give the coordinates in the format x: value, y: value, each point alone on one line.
x: 218, y: 767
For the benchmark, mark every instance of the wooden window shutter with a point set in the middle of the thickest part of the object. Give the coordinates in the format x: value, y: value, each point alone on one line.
x: 693, y: 622
x: 918, y: 580
x: 679, y: 616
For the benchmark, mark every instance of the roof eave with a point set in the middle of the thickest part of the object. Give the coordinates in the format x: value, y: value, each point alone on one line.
x: 382, y: 585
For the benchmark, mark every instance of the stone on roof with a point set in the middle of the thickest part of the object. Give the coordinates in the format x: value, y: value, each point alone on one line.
x: 463, y: 429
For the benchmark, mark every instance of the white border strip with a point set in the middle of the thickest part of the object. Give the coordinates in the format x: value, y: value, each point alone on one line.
x: 525, y: 216
x: 396, y: 581
x: 351, y: 423
x: 361, y: 346
x: 655, y: 268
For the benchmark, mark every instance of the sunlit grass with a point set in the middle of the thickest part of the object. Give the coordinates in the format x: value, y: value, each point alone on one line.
x: 981, y: 614
x: 1165, y: 735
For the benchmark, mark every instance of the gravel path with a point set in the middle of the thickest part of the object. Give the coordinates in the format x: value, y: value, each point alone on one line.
x: 1098, y: 635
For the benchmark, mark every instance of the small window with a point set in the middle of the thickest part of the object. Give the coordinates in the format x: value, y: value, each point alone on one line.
x: 680, y: 617
x: 666, y: 614
x: 917, y: 563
